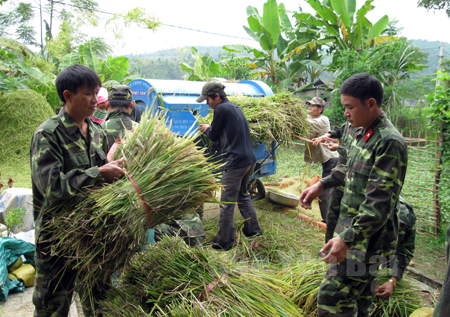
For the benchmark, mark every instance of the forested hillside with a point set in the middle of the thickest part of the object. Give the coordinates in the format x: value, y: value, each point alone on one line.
x: 432, y: 49
x: 165, y: 64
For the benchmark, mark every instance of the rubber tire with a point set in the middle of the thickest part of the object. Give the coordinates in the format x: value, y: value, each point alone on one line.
x: 256, y: 189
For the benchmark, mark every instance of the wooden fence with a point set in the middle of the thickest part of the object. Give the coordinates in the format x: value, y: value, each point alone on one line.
x: 422, y: 182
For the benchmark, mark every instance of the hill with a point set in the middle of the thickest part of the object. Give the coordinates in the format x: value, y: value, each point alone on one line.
x: 165, y: 64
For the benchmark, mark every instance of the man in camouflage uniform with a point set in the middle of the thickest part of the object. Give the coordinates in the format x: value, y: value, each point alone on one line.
x: 119, y: 119
x: 189, y: 227
x: 67, y: 153
x: 346, y: 134
x: 407, y: 218
x: 372, y: 178
x: 405, y: 248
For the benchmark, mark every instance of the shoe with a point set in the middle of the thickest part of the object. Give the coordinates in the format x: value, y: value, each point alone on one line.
x: 219, y: 248
x: 255, y: 235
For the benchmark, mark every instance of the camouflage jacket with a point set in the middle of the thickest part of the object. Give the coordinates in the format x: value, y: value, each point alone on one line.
x: 346, y: 134
x: 188, y: 226
x: 63, y: 162
x: 406, y: 239
x: 372, y: 178
x: 116, y: 124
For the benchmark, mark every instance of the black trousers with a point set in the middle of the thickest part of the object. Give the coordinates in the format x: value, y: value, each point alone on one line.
x: 235, y: 183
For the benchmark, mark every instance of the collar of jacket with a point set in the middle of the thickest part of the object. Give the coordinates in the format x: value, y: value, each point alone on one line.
x: 367, y: 134
x: 225, y: 100
x: 118, y: 113
x: 70, y: 124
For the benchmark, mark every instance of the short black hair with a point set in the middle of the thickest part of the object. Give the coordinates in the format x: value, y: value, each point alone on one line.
x: 363, y: 86
x: 222, y: 95
x: 120, y: 103
x: 74, y: 77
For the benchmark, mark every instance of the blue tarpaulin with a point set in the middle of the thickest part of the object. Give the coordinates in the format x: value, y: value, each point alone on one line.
x: 10, y: 250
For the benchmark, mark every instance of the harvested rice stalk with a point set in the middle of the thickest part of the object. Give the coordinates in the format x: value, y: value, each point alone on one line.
x: 306, y: 277
x: 403, y: 302
x: 273, y: 118
x: 174, y: 279
x: 101, y: 228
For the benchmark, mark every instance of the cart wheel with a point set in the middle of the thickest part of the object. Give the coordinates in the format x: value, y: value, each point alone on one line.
x: 256, y: 189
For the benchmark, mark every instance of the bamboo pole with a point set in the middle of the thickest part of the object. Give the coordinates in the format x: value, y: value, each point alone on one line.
x: 437, y: 174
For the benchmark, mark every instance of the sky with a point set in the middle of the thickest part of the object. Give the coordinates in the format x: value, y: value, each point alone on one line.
x: 228, y: 18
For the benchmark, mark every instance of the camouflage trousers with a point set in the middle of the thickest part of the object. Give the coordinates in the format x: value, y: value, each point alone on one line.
x: 189, y: 227
x: 347, y: 289
x: 54, y: 287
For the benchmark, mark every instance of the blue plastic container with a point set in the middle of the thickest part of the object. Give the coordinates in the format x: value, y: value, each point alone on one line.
x: 178, y: 98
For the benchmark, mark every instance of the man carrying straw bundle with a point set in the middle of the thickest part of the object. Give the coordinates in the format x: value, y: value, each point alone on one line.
x: 372, y: 178
x: 230, y: 128
x: 68, y: 153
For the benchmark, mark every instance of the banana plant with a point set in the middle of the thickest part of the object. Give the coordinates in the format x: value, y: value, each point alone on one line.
x: 109, y: 69
x: 337, y: 25
x: 203, y: 69
x: 267, y: 30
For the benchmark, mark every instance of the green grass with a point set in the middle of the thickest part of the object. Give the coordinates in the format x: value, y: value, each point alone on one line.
x: 290, y: 162
x: 18, y: 169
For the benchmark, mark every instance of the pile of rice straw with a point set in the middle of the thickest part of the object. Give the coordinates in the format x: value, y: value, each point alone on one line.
x: 273, y: 118
x: 172, y: 279
x: 100, y: 229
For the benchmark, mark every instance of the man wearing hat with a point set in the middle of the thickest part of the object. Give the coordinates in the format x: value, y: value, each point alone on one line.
x: 119, y: 119
x: 230, y: 128
x: 318, y: 126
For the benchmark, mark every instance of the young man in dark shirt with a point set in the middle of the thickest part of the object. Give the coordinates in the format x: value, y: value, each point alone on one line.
x: 230, y: 128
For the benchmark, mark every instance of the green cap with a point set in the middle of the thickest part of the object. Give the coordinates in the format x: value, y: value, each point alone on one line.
x: 210, y: 88
x: 120, y: 92
x: 317, y: 101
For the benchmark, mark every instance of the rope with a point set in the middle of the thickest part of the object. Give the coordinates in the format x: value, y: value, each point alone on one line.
x: 144, y: 203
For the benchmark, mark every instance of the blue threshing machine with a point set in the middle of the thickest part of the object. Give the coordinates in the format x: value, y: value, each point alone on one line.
x: 178, y: 98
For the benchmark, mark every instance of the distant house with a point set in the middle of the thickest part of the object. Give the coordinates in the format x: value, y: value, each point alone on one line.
x: 320, y: 88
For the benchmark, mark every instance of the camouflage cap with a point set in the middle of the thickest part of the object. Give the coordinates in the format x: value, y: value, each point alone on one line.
x: 210, y: 88
x: 317, y: 101
x: 120, y: 92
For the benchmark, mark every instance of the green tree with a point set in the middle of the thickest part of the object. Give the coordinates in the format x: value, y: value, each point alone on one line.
x: 392, y: 63
x: 236, y: 67
x: 15, y: 24
x: 435, y: 5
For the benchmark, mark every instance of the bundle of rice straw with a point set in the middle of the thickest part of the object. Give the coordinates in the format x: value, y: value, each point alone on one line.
x: 306, y: 277
x: 101, y: 228
x: 172, y: 279
x: 273, y: 118
x: 405, y: 299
